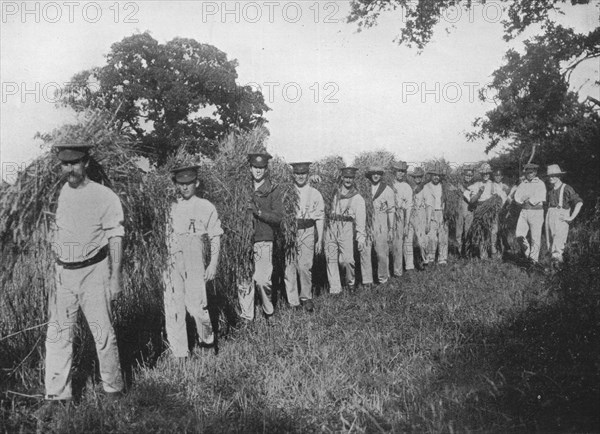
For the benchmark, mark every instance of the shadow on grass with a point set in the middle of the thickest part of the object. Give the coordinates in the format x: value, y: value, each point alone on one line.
x: 539, y: 371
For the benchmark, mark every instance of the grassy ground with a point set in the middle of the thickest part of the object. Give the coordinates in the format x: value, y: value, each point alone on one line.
x: 471, y: 346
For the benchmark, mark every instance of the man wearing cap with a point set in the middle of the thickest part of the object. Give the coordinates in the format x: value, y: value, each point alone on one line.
x: 310, y: 218
x: 266, y: 205
x: 348, y: 214
x: 481, y: 191
x: 191, y: 220
x: 419, y: 215
x: 436, y: 228
x: 530, y: 195
x: 87, y: 240
x: 464, y: 219
x: 562, y: 198
x: 403, y: 230
x: 384, y: 209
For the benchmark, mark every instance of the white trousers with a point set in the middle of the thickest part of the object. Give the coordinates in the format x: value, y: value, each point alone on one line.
x: 263, y: 271
x: 87, y: 288
x: 558, y: 231
x: 185, y: 291
x: 403, y: 247
x: 530, y: 221
x: 339, y: 251
x: 301, y: 267
x: 437, y: 238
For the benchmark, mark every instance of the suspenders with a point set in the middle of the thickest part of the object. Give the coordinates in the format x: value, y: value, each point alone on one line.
x: 561, y: 195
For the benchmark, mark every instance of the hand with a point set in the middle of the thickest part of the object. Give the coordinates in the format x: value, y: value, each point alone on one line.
x: 566, y: 219
x: 315, y: 179
x: 211, y: 272
x: 252, y: 207
x: 115, y: 286
x: 319, y: 246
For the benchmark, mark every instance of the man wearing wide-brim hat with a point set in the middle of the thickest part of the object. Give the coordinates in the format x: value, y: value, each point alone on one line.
x: 530, y: 195
x: 402, y: 245
x: 87, y: 242
x: 191, y: 219
x: 310, y: 218
x: 384, y: 206
x: 564, y: 204
x: 436, y: 227
x: 346, y: 223
x: 477, y: 194
x: 266, y: 206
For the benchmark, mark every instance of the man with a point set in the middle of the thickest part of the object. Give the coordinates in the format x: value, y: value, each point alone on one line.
x: 88, y: 245
x: 481, y: 191
x: 384, y: 208
x: 348, y: 214
x: 310, y: 217
x: 419, y: 215
x: 464, y: 219
x: 530, y: 195
x: 191, y: 219
x: 436, y: 228
x: 562, y: 198
x: 403, y: 230
x: 266, y: 206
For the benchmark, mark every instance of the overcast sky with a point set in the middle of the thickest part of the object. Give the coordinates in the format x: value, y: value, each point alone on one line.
x: 359, y: 90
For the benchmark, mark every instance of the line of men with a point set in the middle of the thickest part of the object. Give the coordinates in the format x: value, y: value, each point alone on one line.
x: 89, y: 230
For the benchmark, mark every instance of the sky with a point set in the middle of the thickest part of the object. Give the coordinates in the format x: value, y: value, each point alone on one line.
x: 331, y: 89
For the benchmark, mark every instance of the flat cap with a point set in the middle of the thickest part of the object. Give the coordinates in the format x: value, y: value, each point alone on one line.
x: 71, y: 152
x: 301, y: 168
x: 185, y: 174
x: 259, y: 159
x: 530, y: 166
x: 349, y: 172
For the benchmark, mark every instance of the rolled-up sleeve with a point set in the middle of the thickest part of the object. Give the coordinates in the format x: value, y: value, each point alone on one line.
x: 213, y: 223
x: 112, y: 219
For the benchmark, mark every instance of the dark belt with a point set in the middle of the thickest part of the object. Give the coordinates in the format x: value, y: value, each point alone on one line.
x: 101, y: 255
x: 305, y: 223
x: 341, y: 218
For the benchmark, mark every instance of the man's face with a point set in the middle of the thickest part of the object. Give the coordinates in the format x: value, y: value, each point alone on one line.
x: 530, y: 174
x: 75, y: 172
x: 486, y: 177
x: 258, y: 173
x: 400, y: 175
x: 498, y: 178
x: 468, y: 177
x: 348, y: 181
x: 187, y: 189
x: 300, y: 179
x: 418, y: 179
x: 435, y: 178
x: 553, y: 179
x: 375, y: 178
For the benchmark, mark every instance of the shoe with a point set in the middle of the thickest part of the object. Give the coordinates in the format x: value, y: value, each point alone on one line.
x: 308, y: 305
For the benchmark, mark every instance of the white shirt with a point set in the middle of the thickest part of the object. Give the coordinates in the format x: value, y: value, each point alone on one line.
x: 195, y: 216
x: 490, y: 188
x: 310, y: 203
x: 534, y: 191
x: 404, y: 195
x: 433, y: 195
x: 86, y: 217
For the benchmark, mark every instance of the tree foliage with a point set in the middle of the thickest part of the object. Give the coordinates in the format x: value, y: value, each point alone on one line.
x: 168, y: 95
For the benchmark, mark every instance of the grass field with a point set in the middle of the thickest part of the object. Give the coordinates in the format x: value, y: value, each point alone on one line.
x: 471, y: 346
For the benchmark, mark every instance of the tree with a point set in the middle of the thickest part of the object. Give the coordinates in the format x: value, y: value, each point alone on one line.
x: 168, y: 95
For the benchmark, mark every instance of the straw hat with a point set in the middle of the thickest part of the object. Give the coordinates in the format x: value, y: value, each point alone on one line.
x: 554, y: 170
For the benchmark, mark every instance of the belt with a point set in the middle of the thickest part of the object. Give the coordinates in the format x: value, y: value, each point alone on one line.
x: 557, y: 207
x: 305, y: 223
x: 101, y: 255
x: 341, y: 218
x: 533, y: 207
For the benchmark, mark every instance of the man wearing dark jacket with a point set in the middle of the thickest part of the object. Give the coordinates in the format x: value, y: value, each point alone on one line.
x: 267, y: 207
